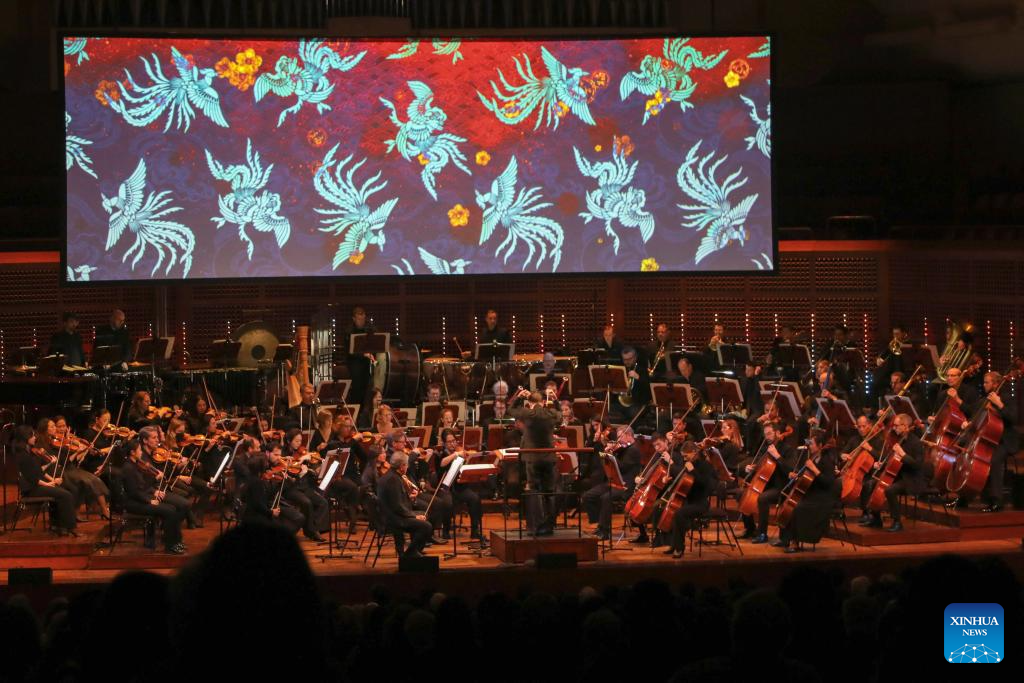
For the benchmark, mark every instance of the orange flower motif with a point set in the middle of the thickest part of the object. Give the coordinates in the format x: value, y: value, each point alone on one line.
x: 732, y: 79
x: 248, y: 62
x: 458, y: 216
x: 316, y: 137
x: 105, y: 90
x: 510, y: 109
x: 649, y: 265
x: 600, y: 78
x: 422, y: 159
x: 563, y: 109
x: 482, y: 157
x: 623, y: 145
x: 741, y: 67
x: 240, y: 73
x: 356, y: 258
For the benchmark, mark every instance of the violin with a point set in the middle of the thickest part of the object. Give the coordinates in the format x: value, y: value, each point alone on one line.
x: 274, y: 435
x: 162, y: 455
x: 119, y: 432
x: 159, y: 413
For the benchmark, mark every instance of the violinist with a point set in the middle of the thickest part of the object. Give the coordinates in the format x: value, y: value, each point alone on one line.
x: 730, y: 444
x: 1003, y: 404
x: 142, y: 497
x: 91, y: 488
x: 259, y: 495
x: 679, y: 434
x: 910, y: 480
x: 810, y: 517
x: 785, y: 429
x: 53, y: 453
x: 101, y: 440
x: 445, y: 423
x: 397, y: 508
x: 301, y: 490
x: 423, y: 472
x: 139, y: 414
x: 154, y: 473
x: 34, y: 482
x: 467, y: 494
x: 569, y: 418
x: 323, y: 436
x: 210, y: 453
x: 366, y: 419
x: 786, y: 460
x: 344, y: 487
x: 597, y: 501
x: 384, y: 420
x: 697, y: 500
x: 196, y: 411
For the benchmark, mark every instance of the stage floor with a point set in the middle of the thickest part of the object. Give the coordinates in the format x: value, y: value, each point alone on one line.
x: 82, y: 562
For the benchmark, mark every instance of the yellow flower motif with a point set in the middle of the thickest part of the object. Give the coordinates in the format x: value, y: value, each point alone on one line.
x: 482, y: 157
x: 510, y: 109
x: 223, y: 66
x: 422, y: 159
x: 649, y: 265
x: 563, y: 109
x: 458, y: 216
x: 654, y: 105
x: 598, y: 148
x: 248, y: 62
x: 732, y: 79
x: 600, y: 240
x: 356, y: 258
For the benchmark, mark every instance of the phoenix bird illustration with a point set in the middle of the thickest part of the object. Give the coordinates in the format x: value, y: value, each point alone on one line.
x: 614, y: 199
x: 666, y: 77
x: 435, y: 264
x: 763, y: 137
x: 420, y: 136
x: 180, y: 95
x: 143, y: 215
x: 308, y: 81
x: 74, y: 149
x: 361, y: 224
x: 514, y: 212
x: 75, y: 47
x: 441, y: 47
x: 552, y: 96
x: 246, y: 204
x: 714, y: 213
x: 80, y: 273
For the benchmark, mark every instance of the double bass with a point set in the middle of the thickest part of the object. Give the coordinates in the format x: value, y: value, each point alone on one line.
x: 941, y: 437
x: 978, y: 442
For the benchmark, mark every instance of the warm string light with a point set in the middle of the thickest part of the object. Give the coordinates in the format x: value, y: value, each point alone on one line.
x: 926, y: 335
x: 513, y: 328
x: 682, y: 327
x: 149, y: 330
x: 476, y: 330
x: 988, y: 344
x: 444, y: 335
x: 612, y: 316
x: 867, y: 373
x: 1013, y: 384
x: 775, y: 323
x: 813, y: 354
x: 293, y: 328
x: 563, y: 331
x: 334, y: 332
x: 650, y: 325
x: 35, y: 342
x: 3, y: 355
x: 716, y: 318
x: 184, y: 343
x: 396, y: 327
x: 229, y: 328
x: 541, y: 320
x: 746, y: 326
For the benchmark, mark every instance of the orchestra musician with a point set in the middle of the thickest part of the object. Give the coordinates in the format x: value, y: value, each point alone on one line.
x: 660, y: 353
x: 360, y: 366
x: 538, y: 426
x: 301, y: 490
x: 874, y: 444
x: 396, y: 506
x: 1004, y: 405
x: 910, y: 479
x: 716, y: 340
x: 810, y: 517
x: 730, y: 445
x: 956, y: 388
x: 445, y: 422
x: 888, y: 362
x: 638, y: 385
x: 608, y: 344
x: 491, y: 333
x: 68, y: 341
x: 91, y: 488
x: 115, y: 333
x: 697, y: 500
x: 344, y: 487
x: 35, y: 482
x: 670, y: 458
x: 569, y: 418
x: 143, y: 497
x: 787, y: 336
x: 259, y: 495
x: 101, y: 442
x: 154, y: 473
x: 139, y: 412
x: 914, y: 392
x: 423, y: 472
x: 303, y: 415
x: 786, y: 461
x: 433, y: 393
x: 688, y: 374
x: 467, y: 494
x: 597, y: 501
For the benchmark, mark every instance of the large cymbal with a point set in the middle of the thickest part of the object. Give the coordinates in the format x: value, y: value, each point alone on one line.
x: 258, y: 343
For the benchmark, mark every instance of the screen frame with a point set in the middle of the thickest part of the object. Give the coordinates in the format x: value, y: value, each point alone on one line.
x: 63, y: 280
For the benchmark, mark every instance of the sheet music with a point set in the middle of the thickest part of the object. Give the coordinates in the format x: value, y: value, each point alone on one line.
x: 453, y: 472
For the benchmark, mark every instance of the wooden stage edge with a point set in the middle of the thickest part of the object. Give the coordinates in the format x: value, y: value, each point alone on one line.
x: 78, y: 567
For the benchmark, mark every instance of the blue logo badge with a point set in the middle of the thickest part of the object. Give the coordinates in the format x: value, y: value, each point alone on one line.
x: 973, y: 633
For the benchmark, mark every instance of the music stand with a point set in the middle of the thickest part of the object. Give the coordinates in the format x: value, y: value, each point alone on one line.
x: 724, y: 392
x: 50, y: 365
x: 496, y: 436
x: 333, y: 392
x: 560, y: 377
x: 224, y: 353
x: 783, y: 386
x: 785, y: 404
x: 586, y: 408
x: 154, y: 349
x: 902, y: 405
x: 837, y: 412
x: 27, y: 355
x: 853, y: 358
x: 709, y: 427
x: 495, y: 352
x: 924, y: 355
x: 668, y: 396
x: 106, y: 356
x: 793, y: 356
x: 373, y: 343
x: 733, y: 355
x: 612, y: 378
x: 334, y: 463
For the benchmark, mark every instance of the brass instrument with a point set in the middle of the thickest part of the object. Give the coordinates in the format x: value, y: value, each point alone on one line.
x: 657, y: 357
x: 952, y: 356
x: 714, y: 343
x: 626, y: 399
x: 896, y: 347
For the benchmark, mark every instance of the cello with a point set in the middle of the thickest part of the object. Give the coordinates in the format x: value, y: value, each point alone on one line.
x: 944, y: 432
x: 857, y: 467
x: 675, y: 497
x: 797, y: 489
x: 892, y: 463
x: 764, y: 466
x: 640, y: 505
x: 978, y: 442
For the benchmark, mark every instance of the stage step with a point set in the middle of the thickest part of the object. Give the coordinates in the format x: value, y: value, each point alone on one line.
x: 967, y: 518
x: 913, y: 533
x: 509, y: 548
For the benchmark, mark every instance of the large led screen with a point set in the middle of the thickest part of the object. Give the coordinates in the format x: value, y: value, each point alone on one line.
x: 197, y: 158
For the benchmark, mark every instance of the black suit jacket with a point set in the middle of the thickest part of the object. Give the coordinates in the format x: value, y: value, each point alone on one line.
x: 394, y: 501
x: 539, y: 425
x: 69, y: 344
x: 108, y: 336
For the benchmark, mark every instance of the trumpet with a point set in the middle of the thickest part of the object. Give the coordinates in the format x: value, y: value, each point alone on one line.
x: 714, y: 343
x: 657, y: 357
x: 896, y: 347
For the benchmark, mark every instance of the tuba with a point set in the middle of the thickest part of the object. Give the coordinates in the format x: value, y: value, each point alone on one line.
x: 952, y: 356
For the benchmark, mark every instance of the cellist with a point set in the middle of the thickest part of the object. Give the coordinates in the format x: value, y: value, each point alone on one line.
x: 810, y: 517
x: 697, y: 500
x: 910, y: 479
x: 672, y: 459
x: 873, y: 446
x: 786, y: 458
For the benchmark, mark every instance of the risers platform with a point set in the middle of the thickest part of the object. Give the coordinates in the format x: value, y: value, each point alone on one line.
x: 508, y: 547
